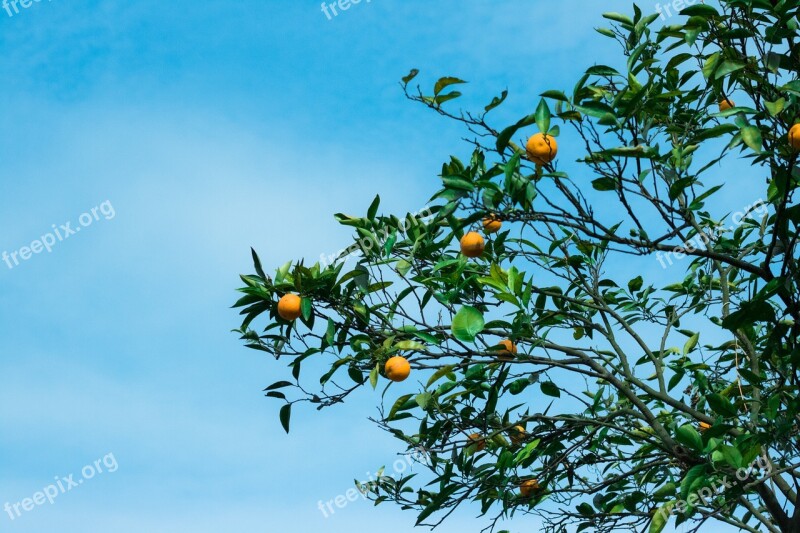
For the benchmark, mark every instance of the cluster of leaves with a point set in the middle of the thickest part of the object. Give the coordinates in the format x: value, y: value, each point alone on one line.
x: 611, y: 382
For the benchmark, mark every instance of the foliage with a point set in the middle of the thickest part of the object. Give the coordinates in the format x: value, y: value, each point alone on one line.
x: 613, y: 376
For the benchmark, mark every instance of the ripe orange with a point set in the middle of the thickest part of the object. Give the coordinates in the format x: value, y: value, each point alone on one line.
x: 289, y: 307
x: 704, y: 426
x: 492, y: 224
x: 528, y: 487
x: 794, y: 137
x: 726, y: 104
x: 472, y: 244
x: 397, y: 368
x: 542, y: 148
x: 478, y: 441
x: 509, y: 351
x: 517, y: 434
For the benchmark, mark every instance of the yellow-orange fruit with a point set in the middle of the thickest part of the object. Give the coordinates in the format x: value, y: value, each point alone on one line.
x: 542, y: 148
x: 472, y: 244
x: 508, y: 351
x: 726, y: 104
x: 397, y: 368
x: 289, y: 307
x: 517, y: 434
x: 478, y: 441
x: 704, y: 426
x: 492, y: 224
x: 794, y: 137
x: 528, y: 487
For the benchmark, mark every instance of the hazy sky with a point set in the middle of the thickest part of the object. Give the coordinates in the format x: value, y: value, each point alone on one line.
x: 207, y: 127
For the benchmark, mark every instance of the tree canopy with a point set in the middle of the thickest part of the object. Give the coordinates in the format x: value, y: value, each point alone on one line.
x: 544, y: 376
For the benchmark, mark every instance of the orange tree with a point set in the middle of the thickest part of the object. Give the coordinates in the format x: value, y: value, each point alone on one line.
x: 542, y: 375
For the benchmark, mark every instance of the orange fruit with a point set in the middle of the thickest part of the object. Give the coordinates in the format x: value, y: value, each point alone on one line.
x: 542, y: 148
x: 492, y: 224
x: 397, y: 368
x: 528, y: 487
x: 472, y: 244
x: 478, y: 441
x: 509, y: 350
x: 794, y: 137
x: 704, y: 426
x: 726, y: 104
x: 289, y: 307
x: 517, y: 434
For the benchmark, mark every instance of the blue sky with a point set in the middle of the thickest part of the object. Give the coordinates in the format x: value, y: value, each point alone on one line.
x: 211, y: 127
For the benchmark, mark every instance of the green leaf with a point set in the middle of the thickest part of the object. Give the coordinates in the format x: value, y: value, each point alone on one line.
x: 674, y: 380
x: 305, y: 308
x: 619, y: 17
x: 492, y: 283
x: 721, y: 405
x: 401, y: 401
x: 330, y: 332
x: 604, y: 184
x: 411, y: 75
x: 751, y: 136
x: 555, y: 95
x: 410, y: 345
x: 445, y: 82
x: 422, y: 399
x: 602, y: 70
x: 641, y: 151
x: 635, y: 284
x: 467, y: 323
x: 711, y: 64
x: 716, y: 131
x: 447, y: 369
x: 694, y: 478
x: 496, y: 101
x: 606, y: 32
x: 543, y: 116
x: 551, y: 389
x: 475, y: 372
x: 700, y: 10
x: 505, y: 136
x: 526, y: 452
x: 373, y: 208
x: 278, y: 385
x: 402, y: 267
x: 728, y: 67
x: 517, y: 386
x: 691, y: 343
x: 355, y: 374
x: 373, y: 376
x: 776, y: 107
x: 257, y: 264
x: 661, y: 518
x: 689, y: 436
x: 442, y: 98
x: 427, y: 337
x: 731, y: 455
x: 285, y: 416
x: 748, y: 314
x: 666, y: 490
